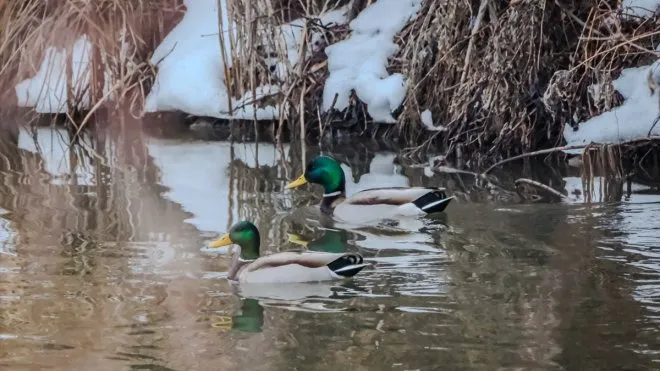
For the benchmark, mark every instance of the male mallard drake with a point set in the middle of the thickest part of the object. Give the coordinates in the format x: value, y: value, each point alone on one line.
x: 249, y: 267
x: 370, y: 203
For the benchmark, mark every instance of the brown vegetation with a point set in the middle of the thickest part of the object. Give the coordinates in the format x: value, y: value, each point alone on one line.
x: 502, y: 76
x: 124, y: 33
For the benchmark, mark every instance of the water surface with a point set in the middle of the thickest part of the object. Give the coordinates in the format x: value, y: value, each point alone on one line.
x: 103, y: 266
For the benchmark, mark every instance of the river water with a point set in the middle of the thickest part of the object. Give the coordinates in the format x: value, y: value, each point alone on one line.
x: 103, y: 266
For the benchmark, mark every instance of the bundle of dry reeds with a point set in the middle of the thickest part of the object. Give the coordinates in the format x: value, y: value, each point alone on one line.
x: 502, y: 76
x: 124, y: 33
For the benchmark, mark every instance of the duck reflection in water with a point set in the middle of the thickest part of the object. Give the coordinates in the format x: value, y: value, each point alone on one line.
x: 332, y: 241
x: 250, y: 318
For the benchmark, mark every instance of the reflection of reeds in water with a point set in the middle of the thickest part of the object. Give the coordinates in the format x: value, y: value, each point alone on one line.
x: 87, y: 218
x: 606, y: 169
x: 256, y: 192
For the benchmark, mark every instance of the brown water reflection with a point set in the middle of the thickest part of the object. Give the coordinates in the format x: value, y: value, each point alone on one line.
x: 103, y: 266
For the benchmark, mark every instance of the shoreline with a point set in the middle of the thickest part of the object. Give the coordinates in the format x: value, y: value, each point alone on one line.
x: 469, y: 111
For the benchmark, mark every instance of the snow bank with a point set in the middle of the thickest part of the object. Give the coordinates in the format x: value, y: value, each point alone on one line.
x: 640, y: 8
x: 288, y: 39
x: 47, y: 90
x: 191, y: 70
x: 632, y: 120
x: 359, y: 62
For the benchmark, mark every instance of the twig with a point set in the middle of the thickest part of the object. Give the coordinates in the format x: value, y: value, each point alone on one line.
x: 556, y: 149
x: 653, y: 126
x: 530, y: 154
x: 475, y: 29
x: 540, y: 185
x: 166, y: 55
x: 576, y: 19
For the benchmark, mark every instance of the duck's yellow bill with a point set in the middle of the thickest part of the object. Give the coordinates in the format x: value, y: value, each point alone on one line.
x: 297, y: 183
x: 222, y: 241
x: 294, y: 238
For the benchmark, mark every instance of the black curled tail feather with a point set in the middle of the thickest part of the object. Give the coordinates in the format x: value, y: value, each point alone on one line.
x: 433, y: 202
x: 347, y: 265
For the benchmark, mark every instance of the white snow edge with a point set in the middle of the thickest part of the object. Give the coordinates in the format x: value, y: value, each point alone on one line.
x: 630, y: 121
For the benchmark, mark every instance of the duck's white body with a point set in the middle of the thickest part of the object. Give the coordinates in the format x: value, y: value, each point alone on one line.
x: 296, y: 267
x: 393, y: 202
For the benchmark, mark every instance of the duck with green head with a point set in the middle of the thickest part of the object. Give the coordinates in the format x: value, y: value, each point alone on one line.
x: 248, y: 266
x: 373, y: 203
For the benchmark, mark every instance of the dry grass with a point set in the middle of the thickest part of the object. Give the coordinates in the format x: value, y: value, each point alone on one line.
x: 502, y: 76
x: 258, y: 50
x: 508, y: 84
x: 124, y: 33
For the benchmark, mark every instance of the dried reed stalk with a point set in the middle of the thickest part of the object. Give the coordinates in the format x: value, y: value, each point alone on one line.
x: 124, y: 34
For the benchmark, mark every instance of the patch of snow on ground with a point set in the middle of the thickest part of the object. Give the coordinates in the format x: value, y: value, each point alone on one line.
x: 427, y: 121
x: 632, y: 120
x: 288, y: 38
x: 47, y: 90
x: 244, y: 108
x: 640, y: 8
x: 191, y: 69
x: 359, y: 62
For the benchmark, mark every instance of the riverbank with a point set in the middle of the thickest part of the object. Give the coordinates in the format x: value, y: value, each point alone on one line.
x: 482, y: 81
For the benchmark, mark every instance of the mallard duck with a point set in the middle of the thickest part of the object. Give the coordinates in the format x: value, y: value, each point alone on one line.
x: 371, y: 203
x: 249, y: 267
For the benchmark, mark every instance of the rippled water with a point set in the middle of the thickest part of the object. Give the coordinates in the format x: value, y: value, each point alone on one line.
x: 103, y: 266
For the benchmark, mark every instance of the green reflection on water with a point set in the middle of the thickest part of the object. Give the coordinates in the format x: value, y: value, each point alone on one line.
x: 101, y: 265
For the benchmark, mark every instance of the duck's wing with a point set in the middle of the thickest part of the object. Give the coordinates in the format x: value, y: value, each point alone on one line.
x: 302, y: 267
x: 309, y: 260
x: 426, y: 199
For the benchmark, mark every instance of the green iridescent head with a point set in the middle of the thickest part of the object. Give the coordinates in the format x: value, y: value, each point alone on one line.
x: 323, y: 170
x: 244, y: 234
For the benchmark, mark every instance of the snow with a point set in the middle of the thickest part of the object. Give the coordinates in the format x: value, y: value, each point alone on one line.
x: 640, y: 8
x: 288, y: 38
x: 191, y: 67
x: 47, y: 90
x: 632, y: 120
x: 360, y: 62
x: 427, y: 121
x: 191, y: 70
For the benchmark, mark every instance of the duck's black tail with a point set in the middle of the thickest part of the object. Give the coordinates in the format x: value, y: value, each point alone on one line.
x: 433, y: 202
x: 347, y: 265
